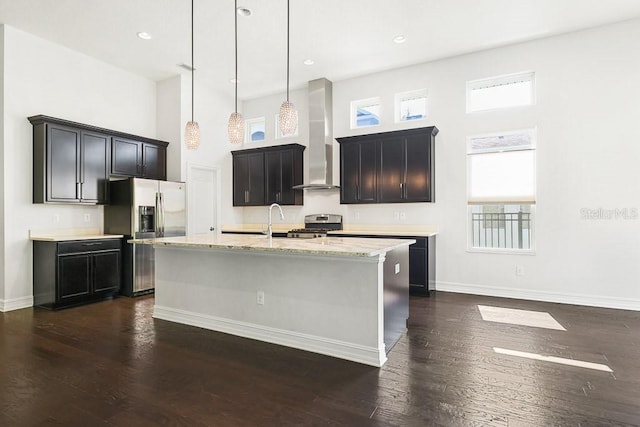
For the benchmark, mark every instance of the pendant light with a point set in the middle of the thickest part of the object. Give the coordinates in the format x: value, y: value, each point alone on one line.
x: 288, y: 116
x: 236, y: 121
x: 192, y: 130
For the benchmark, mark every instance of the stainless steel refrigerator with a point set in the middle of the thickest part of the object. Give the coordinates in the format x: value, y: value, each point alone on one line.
x: 144, y: 208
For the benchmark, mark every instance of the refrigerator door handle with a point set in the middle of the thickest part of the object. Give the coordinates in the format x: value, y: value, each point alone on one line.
x: 158, y: 216
x: 161, y: 215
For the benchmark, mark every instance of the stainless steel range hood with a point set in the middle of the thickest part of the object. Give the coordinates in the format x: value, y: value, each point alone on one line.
x: 320, y: 136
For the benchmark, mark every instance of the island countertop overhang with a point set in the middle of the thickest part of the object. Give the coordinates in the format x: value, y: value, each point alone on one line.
x: 327, y: 246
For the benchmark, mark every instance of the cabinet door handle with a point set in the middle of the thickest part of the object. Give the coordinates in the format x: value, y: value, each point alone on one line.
x: 246, y: 196
x: 357, y: 192
x: 91, y: 244
x: 78, y: 190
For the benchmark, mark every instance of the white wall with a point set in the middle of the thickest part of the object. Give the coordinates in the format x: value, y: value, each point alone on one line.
x: 2, y: 223
x: 169, y: 123
x: 41, y: 77
x: 212, y: 110
x: 588, y: 99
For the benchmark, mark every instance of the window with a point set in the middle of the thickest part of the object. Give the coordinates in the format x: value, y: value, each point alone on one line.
x: 500, y: 92
x: 365, y: 112
x: 279, y: 132
x: 501, y: 172
x: 255, y: 129
x: 411, y: 105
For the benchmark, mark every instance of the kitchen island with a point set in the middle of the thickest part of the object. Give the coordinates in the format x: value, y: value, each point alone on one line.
x: 343, y: 297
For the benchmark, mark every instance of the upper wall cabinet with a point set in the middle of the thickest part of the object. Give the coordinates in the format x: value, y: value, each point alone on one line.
x: 388, y: 167
x: 262, y: 176
x: 72, y: 162
x: 138, y: 158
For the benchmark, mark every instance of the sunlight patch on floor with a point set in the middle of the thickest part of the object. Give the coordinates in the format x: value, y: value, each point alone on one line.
x: 538, y: 319
x: 560, y: 360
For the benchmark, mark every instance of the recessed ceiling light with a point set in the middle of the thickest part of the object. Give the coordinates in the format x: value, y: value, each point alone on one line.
x: 308, y: 62
x: 399, y: 39
x: 144, y: 35
x: 234, y: 81
x: 243, y: 11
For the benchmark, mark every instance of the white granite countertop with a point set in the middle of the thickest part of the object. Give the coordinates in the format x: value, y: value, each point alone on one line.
x: 336, y: 246
x: 67, y: 234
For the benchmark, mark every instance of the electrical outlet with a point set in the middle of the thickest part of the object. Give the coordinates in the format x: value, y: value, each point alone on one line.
x: 519, y: 270
x: 56, y: 218
x: 356, y: 216
x: 87, y: 217
x: 396, y: 215
x: 403, y: 216
x: 397, y: 268
x: 260, y: 298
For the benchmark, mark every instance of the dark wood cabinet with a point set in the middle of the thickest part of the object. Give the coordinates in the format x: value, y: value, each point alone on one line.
x: 422, y: 266
x: 262, y: 176
x: 248, y: 179
x: 94, y: 167
x: 70, y: 165
x: 422, y: 260
x: 389, y: 167
x: 126, y: 157
x: 138, y: 159
x: 358, y: 166
x: 75, y: 272
x: 283, y: 170
x: 72, y: 162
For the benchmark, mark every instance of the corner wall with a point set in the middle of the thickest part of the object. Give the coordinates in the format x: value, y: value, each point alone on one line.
x: 2, y: 223
x: 588, y: 99
x: 41, y: 77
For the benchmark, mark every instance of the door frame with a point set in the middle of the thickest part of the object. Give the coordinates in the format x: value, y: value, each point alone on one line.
x: 191, y: 167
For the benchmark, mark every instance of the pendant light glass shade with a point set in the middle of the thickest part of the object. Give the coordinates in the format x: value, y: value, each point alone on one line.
x: 236, y: 128
x: 192, y: 135
x: 236, y: 121
x: 288, y: 118
x: 192, y: 130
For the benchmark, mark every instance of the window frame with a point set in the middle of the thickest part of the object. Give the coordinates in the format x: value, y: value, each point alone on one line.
x: 353, y: 119
x: 497, y: 81
x: 532, y: 224
x: 405, y: 96
x: 247, y: 129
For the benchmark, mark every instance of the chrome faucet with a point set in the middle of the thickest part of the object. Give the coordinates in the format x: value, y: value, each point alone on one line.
x: 270, y: 228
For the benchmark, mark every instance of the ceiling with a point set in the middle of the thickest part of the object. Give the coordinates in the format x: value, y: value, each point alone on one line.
x: 344, y: 38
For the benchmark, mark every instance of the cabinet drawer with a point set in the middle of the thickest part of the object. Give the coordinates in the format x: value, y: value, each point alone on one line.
x: 77, y: 246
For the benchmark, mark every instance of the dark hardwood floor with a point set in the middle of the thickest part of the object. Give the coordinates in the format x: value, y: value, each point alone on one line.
x: 110, y: 363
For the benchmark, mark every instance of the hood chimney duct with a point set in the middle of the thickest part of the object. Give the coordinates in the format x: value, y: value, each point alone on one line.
x: 320, y: 136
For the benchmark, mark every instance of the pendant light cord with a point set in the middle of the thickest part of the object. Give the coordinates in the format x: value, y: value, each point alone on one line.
x: 287, y: 50
x: 235, y: 13
x: 193, y: 66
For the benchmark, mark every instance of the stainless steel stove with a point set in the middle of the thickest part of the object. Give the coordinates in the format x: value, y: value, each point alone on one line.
x: 317, y: 226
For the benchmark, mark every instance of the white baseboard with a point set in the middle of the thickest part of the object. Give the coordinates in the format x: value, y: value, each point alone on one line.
x: 528, y: 294
x: 15, y: 303
x: 340, y: 349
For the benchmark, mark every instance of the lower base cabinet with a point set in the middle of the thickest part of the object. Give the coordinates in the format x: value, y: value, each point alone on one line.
x: 75, y: 272
x: 422, y: 261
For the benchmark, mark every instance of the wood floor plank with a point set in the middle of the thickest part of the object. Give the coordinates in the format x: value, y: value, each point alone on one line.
x: 112, y: 364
